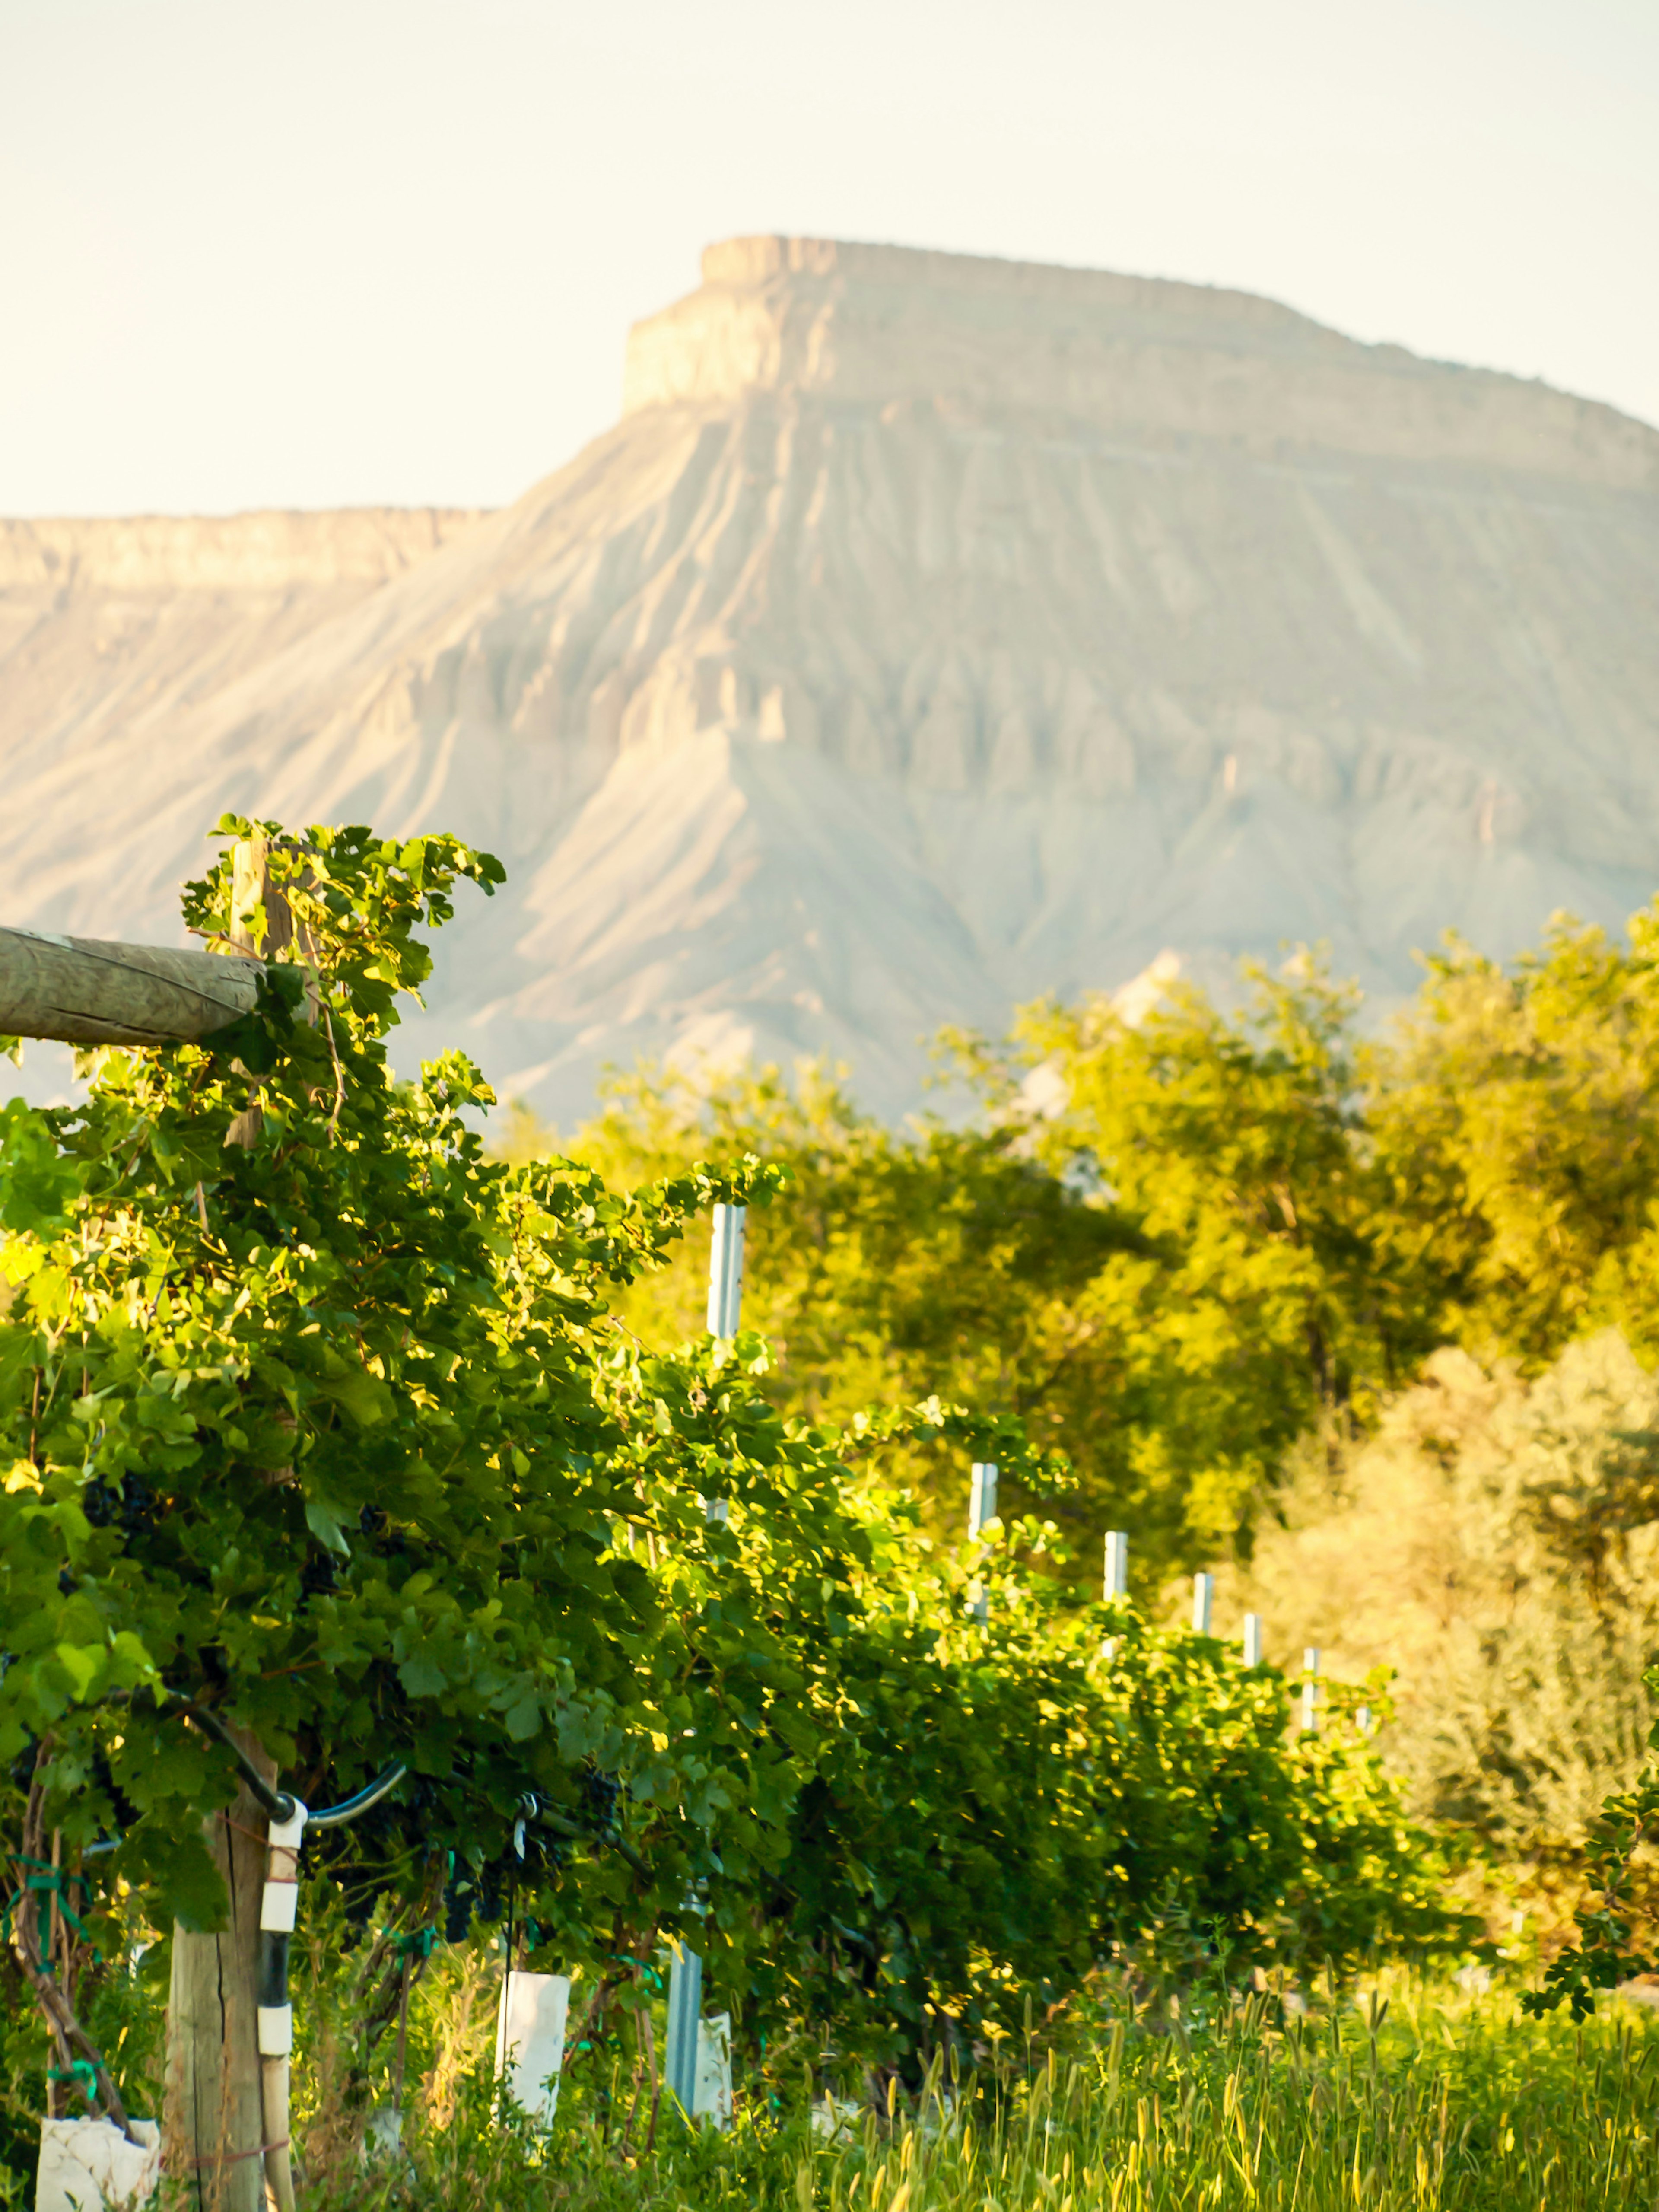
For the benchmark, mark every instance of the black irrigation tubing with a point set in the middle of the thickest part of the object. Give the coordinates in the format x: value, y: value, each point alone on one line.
x: 281, y: 1807
x: 277, y: 1804
x: 337, y: 1816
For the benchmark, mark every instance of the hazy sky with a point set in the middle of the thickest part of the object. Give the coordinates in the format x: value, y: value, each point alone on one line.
x: 296, y: 254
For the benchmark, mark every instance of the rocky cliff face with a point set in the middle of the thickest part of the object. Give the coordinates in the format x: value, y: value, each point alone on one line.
x: 928, y: 633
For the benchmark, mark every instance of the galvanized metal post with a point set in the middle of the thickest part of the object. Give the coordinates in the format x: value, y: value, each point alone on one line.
x: 1310, y: 1689
x: 981, y: 1509
x: 1116, y: 1582
x: 685, y: 1974
x: 724, y: 1301
x: 982, y: 1496
x: 685, y: 2011
x: 725, y: 1271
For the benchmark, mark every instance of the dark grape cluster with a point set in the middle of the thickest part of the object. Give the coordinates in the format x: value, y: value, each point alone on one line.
x: 317, y: 1578
x: 127, y: 1812
x: 469, y: 1897
x: 389, y: 1543
x: 133, y: 1505
x: 600, y: 1793
x: 486, y: 1893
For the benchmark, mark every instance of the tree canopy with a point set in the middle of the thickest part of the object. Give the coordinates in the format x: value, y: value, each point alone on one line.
x: 1173, y: 1244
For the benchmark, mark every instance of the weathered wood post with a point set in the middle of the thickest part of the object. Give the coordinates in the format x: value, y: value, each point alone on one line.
x: 214, y: 2130
x: 226, y: 2126
x: 1203, y: 1599
x: 85, y: 990
x: 228, y: 2120
x: 1253, y: 1639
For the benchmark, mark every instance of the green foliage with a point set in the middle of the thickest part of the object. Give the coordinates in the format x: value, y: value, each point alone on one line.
x: 1004, y: 1805
x: 1159, y: 1245
x: 1615, y: 1923
x: 316, y: 1415
x: 1264, y: 1295
x: 313, y: 1431
x: 891, y: 1267
x: 1175, y: 1238
x: 1517, y: 1120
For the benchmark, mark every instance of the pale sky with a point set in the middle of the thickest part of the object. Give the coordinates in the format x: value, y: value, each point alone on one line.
x: 292, y: 254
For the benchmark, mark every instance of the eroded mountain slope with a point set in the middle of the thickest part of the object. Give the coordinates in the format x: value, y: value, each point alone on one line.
x: 928, y: 633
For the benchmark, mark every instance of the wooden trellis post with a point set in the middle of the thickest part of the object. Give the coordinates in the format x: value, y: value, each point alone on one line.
x: 85, y: 990
x: 217, y: 2142
x: 228, y: 2095
x: 221, y: 2151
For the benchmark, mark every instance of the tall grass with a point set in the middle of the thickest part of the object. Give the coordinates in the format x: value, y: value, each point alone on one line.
x: 1431, y: 2102
x: 1419, y: 2098
x: 1489, y: 2113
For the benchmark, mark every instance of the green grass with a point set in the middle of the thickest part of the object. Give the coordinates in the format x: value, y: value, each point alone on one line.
x: 1430, y: 2103
x: 1428, y: 2100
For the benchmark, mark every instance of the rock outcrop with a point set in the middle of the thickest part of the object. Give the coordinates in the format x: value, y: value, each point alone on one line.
x: 929, y: 633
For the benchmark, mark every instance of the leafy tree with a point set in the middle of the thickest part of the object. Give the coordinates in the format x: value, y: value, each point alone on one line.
x: 1164, y: 1245
x: 890, y: 1266
x: 1515, y: 1121
x: 1616, y: 1922
x: 1271, y: 1291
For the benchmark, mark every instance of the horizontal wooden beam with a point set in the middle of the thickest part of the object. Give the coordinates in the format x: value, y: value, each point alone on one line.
x: 81, y: 990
